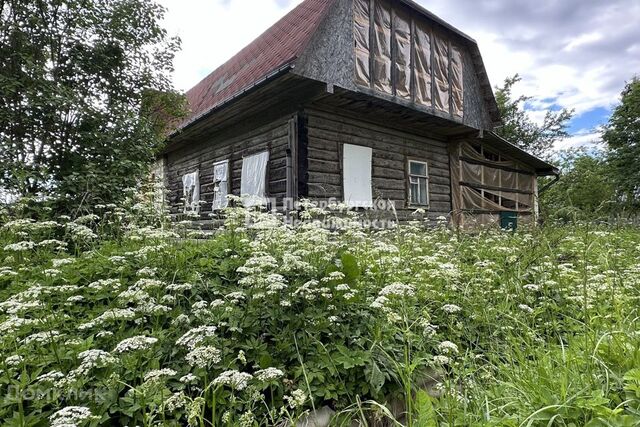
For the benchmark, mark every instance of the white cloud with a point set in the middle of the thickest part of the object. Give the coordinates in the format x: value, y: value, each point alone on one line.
x: 212, y: 31
x: 581, y: 139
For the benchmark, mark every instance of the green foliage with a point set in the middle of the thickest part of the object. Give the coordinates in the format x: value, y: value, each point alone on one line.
x: 518, y: 128
x: 586, y: 190
x: 262, y: 322
x: 622, y: 136
x: 84, y: 96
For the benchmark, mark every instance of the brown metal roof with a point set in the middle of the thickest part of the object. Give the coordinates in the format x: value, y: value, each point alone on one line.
x: 277, y: 47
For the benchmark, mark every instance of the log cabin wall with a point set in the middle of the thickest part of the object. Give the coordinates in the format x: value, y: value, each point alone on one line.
x: 326, y: 134
x: 233, y: 145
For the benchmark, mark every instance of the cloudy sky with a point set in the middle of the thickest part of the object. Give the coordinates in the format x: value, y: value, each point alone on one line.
x: 570, y: 53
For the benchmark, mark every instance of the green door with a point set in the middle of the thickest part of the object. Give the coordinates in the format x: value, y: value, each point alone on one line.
x: 509, y: 220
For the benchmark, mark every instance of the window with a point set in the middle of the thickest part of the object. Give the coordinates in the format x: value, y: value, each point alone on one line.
x: 253, y: 188
x: 357, y: 176
x: 220, y: 184
x: 418, y: 183
x: 191, y: 192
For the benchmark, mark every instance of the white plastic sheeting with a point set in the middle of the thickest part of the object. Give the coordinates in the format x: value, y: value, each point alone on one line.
x: 361, y: 26
x: 191, y: 192
x: 220, y: 185
x: 441, y: 73
x: 357, y: 176
x: 422, y: 64
x: 402, y: 47
x: 457, y: 85
x: 401, y: 54
x: 489, y: 183
x: 382, y: 47
x: 253, y: 185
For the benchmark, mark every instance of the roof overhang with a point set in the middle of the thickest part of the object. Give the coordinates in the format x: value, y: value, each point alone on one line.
x: 220, y: 105
x: 541, y: 167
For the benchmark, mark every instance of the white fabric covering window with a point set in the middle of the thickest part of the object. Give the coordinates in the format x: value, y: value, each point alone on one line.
x: 253, y: 188
x: 357, y: 176
x: 220, y: 185
x: 191, y: 192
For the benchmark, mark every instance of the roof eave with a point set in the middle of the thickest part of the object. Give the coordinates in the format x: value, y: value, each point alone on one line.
x: 542, y: 167
x: 283, y: 69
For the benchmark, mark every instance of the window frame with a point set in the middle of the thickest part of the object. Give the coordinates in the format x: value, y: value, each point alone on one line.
x: 226, y: 162
x: 425, y: 177
x: 192, y: 206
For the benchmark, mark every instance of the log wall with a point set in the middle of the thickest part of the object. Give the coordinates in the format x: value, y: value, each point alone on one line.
x: 232, y: 145
x: 392, y: 149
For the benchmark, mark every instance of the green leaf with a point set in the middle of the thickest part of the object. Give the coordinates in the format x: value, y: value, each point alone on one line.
x: 425, y: 414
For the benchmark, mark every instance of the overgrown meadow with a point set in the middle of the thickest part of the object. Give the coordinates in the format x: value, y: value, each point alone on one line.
x: 115, y: 318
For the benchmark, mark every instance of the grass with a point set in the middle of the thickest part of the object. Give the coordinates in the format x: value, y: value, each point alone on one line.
x: 109, y: 318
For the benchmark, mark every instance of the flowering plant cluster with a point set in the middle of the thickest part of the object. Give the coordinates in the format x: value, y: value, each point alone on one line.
x: 110, y: 319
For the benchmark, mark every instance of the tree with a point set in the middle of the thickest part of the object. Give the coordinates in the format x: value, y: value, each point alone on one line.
x: 585, y: 190
x: 81, y: 83
x: 622, y: 136
x: 520, y: 129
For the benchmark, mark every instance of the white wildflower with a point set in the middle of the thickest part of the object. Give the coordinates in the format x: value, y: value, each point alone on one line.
x: 525, y: 308
x: 451, y: 308
x: 203, y: 357
x: 159, y: 375
x: 195, y: 336
x: 447, y: 347
x: 71, y: 416
x: 269, y: 374
x: 135, y: 344
x: 234, y: 379
x: 13, y: 361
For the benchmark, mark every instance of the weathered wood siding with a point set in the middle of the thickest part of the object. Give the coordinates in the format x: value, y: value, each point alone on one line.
x: 326, y: 133
x: 233, y: 145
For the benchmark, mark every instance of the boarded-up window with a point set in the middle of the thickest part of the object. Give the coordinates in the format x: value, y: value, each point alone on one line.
x: 402, y: 49
x: 457, y: 85
x: 191, y: 192
x: 361, y: 28
x: 357, y: 175
x: 418, y: 183
x: 382, y: 47
x: 441, y: 73
x: 220, y: 185
x: 253, y: 187
x: 422, y: 68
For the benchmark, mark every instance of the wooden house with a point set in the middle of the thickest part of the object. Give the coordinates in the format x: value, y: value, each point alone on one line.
x: 358, y: 101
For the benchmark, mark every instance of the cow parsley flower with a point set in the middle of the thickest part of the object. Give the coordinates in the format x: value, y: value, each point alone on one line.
x: 195, y: 336
x: 175, y: 401
x: 451, y: 308
x: 13, y: 361
x: 159, y: 375
x: 234, y: 379
x: 203, y: 357
x: 50, y: 377
x: 269, y: 374
x: 297, y: 399
x: 72, y: 416
x: 188, y: 379
x: 135, y: 344
x: 525, y: 308
x: 91, y: 359
x: 42, y: 338
x: 447, y: 347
